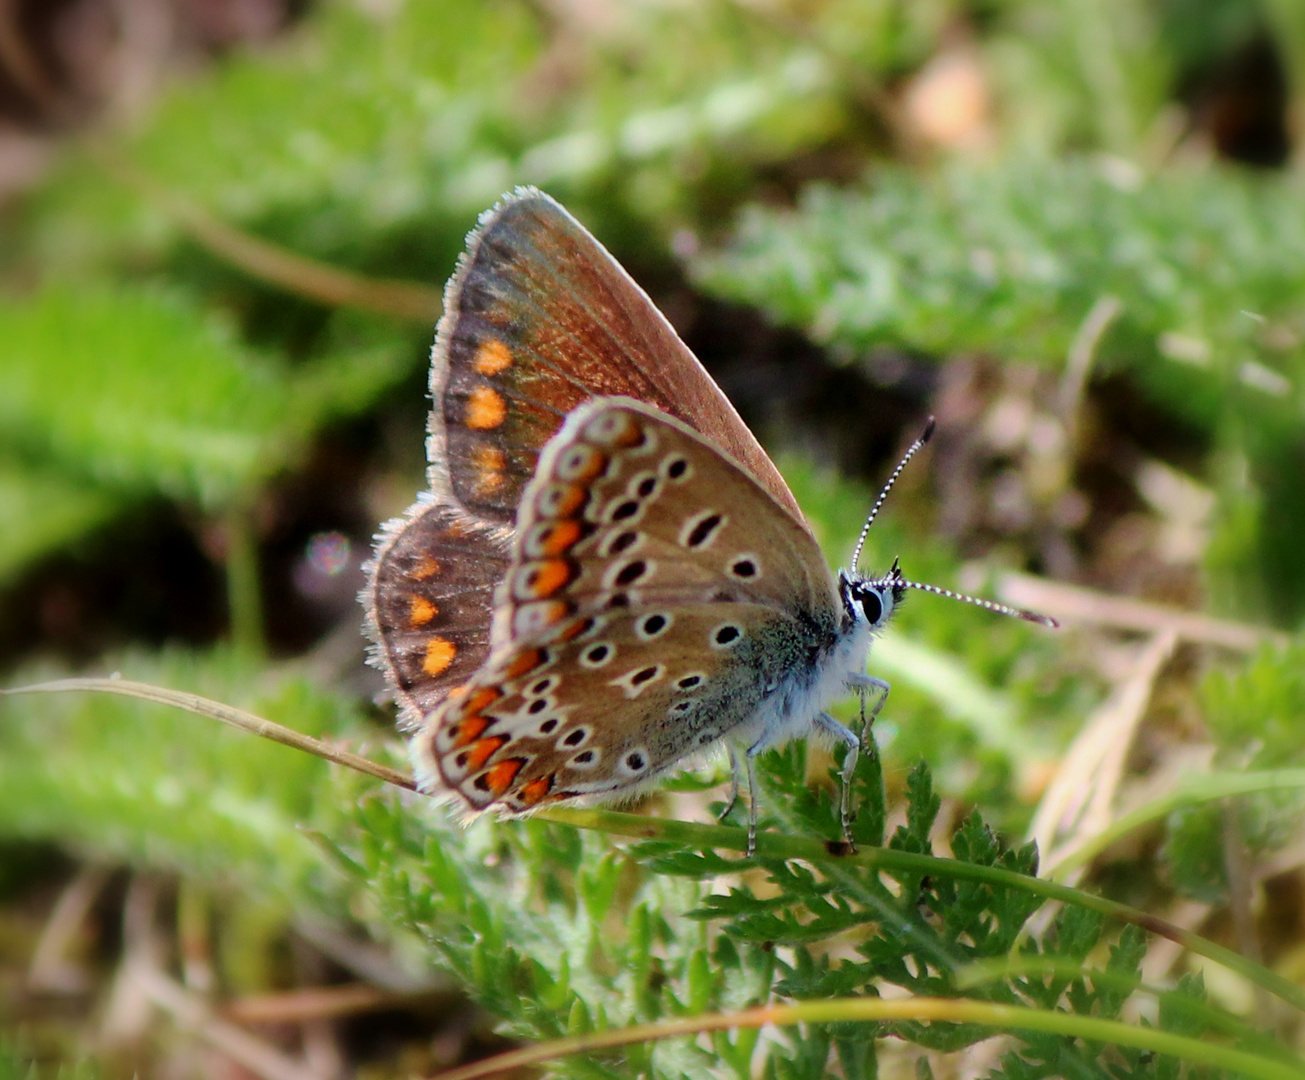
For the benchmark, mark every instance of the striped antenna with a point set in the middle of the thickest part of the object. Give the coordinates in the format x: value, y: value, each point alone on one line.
x: 894, y: 579
x: 991, y: 605
x: 874, y: 510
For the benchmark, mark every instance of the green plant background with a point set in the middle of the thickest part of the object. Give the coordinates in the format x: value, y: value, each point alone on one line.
x: 149, y: 381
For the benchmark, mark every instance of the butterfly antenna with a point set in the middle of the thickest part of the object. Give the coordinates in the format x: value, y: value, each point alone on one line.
x: 883, y: 494
x: 894, y: 578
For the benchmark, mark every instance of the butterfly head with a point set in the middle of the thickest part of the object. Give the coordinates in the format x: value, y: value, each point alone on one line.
x: 869, y: 602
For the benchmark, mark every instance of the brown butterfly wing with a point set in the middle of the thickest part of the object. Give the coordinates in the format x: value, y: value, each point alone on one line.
x: 538, y: 319
x: 428, y: 597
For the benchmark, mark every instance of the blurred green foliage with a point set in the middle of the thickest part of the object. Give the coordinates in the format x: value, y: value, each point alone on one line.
x: 1257, y: 718
x: 1011, y: 259
x: 141, y: 393
x: 136, y: 365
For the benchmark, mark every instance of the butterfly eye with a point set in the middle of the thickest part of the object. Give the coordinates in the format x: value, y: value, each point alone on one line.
x: 873, y: 607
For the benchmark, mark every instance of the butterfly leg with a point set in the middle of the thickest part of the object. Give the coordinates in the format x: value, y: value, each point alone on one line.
x: 862, y: 684
x: 751, y: 762
x: 735, y: 770
x: 745, y: 762
x: 848, y: 738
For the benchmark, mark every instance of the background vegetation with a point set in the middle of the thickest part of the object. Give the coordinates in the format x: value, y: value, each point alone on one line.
x: 1072, y: 231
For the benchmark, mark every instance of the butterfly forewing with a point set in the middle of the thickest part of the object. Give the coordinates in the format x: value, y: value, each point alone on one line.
x: 538, y: 319
x: 652, y: 599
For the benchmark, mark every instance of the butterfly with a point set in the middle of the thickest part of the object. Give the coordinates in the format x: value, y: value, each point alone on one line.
x: 608, y: 574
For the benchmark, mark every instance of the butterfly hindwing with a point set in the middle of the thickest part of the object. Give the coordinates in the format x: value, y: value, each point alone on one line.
x: 597, y: 715
x: 652, y: 599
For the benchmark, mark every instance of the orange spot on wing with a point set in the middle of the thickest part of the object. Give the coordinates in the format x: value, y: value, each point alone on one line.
x: 490, y: 463
x: 553, y: 611
x: 561, y: 796
x: 427, y: 567
x: 486, y: 409
x: 482, y: 751
x: 596, y: 464
x: 468, y: 730
x: 561, y: 536
x: 631, y: 436
x: 524, y: 663
x: 421, y: 612
x: 534, y: 790
x: 548, y: 576
x: 502, y: 773
x: 481, y: 699
x: 580, y: 626
x: 440, y: 652
x: 492, y: 356
x: 572, y: 500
